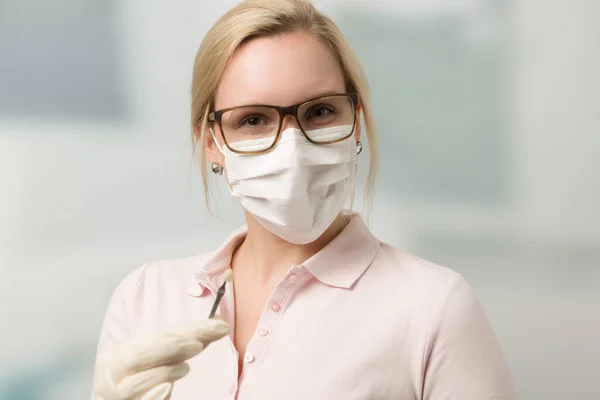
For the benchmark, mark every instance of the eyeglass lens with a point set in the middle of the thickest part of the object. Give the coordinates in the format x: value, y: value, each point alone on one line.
x: 251, y: 123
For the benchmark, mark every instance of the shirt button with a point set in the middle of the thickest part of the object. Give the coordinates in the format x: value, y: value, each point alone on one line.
x: 275, y: 307
x: 263, y: 332
x: 232, y: 389
x: 292, y: 278
x: 249, y: 357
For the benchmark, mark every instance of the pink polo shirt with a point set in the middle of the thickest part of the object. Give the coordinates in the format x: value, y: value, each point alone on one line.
x: 359, y: 320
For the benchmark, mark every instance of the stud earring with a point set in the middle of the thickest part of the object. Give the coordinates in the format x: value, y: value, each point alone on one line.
x: 216, y: 168
x: 358, y: 147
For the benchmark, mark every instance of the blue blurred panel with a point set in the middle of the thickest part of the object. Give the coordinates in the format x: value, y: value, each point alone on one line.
x: 60, y: 60
x: 439, y: 103
x: 46, y: 379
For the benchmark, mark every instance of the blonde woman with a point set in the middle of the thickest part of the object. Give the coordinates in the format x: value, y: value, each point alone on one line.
x: 318, y: 307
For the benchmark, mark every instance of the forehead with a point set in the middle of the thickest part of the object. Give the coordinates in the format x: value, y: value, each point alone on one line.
x: 279, y: 70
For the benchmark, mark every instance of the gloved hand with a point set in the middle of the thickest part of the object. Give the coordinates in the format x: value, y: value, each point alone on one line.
x: 144, y: 368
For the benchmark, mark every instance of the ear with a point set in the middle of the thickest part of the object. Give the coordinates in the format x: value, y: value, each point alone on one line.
x: 213, y: 154
x: 358, y: 129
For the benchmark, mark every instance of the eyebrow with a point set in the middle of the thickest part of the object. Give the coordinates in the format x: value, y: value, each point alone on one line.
x: 327, y: 93
x: 316, y: 96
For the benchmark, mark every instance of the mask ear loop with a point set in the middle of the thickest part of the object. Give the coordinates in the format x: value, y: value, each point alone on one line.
x: 216, y: 167
x: 232, y: 191
x: 214, y: 138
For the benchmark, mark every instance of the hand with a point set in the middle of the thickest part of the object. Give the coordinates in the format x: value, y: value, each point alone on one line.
x: 146, y: 367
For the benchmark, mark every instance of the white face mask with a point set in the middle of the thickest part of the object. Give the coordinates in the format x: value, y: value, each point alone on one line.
x: 297, y: 189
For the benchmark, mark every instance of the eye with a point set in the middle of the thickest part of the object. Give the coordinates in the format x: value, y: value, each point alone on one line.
x: 319, y: 111
x: 252, y: 121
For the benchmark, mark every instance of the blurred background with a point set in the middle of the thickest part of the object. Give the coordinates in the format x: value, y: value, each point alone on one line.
x: 489, y: 121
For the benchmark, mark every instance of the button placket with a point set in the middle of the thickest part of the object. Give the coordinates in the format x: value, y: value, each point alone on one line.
x: 266, y: 324
x: 249, y: 357
x: 227, y: 311
x: 263, y: 332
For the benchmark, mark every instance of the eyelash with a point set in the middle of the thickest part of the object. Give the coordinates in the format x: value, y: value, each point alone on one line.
x: 245, y: 119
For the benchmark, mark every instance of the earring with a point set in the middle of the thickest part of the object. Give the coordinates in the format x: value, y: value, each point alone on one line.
x: 216, y: 168
x: 358, y: 147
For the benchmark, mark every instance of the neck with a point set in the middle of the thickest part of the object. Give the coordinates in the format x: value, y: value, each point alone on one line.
x: 267, y: 257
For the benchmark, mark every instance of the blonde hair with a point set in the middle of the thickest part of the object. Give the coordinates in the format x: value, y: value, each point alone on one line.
x: 259, y: 18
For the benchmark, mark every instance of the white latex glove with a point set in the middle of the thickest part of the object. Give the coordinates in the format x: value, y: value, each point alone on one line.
x: 145, y: 367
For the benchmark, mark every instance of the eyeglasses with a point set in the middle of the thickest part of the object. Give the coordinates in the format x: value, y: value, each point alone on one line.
x: 261, y: 124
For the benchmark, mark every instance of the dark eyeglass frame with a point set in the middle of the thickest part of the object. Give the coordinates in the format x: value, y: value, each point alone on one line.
x: 292, y: 110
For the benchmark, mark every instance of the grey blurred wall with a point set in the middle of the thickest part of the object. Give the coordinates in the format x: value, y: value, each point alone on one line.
x: 490, y: 134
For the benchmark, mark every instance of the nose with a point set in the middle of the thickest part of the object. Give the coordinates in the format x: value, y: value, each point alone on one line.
x: 289, y: 121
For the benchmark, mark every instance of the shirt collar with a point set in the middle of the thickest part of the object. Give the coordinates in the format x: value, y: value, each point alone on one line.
x: 209, y: 274
x: 339, y: 264
x: 346, y: 257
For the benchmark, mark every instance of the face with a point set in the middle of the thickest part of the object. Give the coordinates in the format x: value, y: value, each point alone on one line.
x: 280, y: 70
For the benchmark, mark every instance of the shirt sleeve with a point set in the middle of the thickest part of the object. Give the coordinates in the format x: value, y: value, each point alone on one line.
x: 463, y: 359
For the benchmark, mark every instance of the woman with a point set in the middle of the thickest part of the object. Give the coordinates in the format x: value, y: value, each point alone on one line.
x: 319, y: 308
